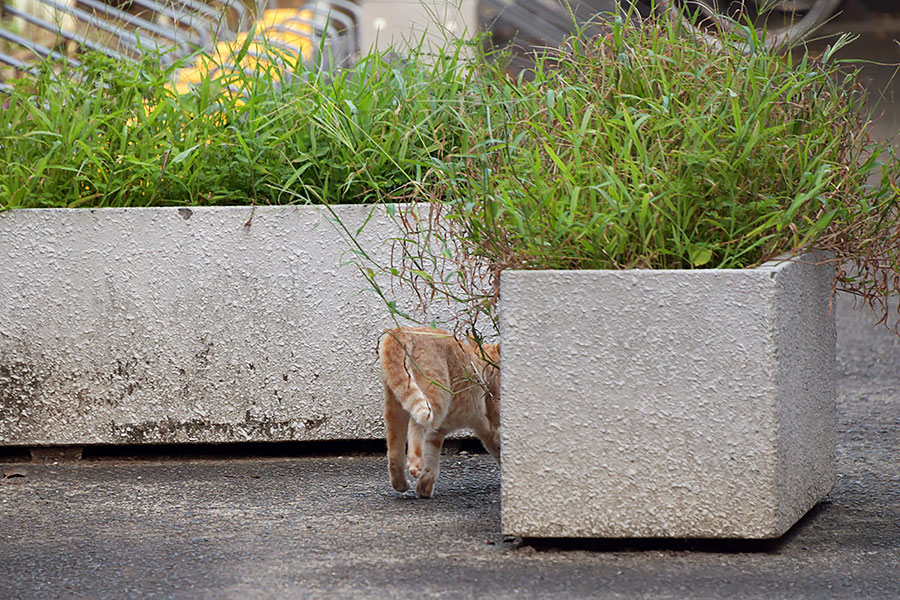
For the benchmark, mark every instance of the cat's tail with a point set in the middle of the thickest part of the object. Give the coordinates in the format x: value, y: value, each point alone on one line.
x: 398, y: 374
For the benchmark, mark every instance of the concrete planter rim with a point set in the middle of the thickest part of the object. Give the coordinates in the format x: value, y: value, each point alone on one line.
x: 778, y: 263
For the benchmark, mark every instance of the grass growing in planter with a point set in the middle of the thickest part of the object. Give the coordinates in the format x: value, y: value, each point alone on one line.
x: 114, y: 134
x: 643, y: 148
x: 647, y: 148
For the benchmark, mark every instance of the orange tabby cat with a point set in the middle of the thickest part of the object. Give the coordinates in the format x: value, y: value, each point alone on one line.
x: 435, y: 384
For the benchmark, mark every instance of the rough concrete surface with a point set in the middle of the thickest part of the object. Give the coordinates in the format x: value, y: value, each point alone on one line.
x: 645, y: 403
x: 329, y: 526
x: 172, y: 325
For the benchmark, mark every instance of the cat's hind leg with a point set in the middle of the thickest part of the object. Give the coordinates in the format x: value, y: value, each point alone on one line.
x: 395, y: 420
x: 414, y: 448
x: 431, y: 453
x: 489, y: 436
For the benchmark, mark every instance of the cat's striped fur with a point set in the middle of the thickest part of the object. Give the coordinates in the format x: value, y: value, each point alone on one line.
x: 435, y: 384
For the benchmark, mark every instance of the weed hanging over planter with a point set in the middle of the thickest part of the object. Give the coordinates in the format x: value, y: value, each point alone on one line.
x: 647, y: 148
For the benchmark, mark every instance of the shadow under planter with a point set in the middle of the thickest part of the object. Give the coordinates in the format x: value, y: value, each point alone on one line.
x: 648, y: 404
x: 188, y: 325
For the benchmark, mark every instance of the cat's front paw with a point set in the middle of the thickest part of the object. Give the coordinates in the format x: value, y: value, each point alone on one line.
x: 425, y: 485
x: 399, y: 483
x: 398, y: 477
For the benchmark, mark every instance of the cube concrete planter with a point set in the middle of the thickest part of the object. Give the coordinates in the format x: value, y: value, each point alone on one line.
x: 170, y: 325
x: 642, y: 404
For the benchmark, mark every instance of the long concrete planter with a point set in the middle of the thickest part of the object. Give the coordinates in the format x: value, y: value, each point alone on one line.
x: 171, y: 325
x: 666, y: 403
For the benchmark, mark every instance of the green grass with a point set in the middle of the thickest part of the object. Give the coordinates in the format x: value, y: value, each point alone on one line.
x: 645, y: 149
x: 641, y: 148
x: 114, y: 134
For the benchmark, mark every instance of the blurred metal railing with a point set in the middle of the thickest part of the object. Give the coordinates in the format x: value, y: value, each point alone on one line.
x: 316, y: 33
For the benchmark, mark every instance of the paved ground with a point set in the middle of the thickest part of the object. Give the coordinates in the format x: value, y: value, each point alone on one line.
x: 330, y: 526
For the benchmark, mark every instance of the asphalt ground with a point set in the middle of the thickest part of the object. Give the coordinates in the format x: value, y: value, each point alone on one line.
x: 330, y: 526
x: 186, y: 523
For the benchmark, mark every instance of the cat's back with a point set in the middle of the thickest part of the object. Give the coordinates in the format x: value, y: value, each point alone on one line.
x: 416, y: 340
x: 428, y: 348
